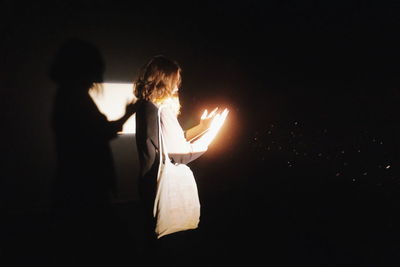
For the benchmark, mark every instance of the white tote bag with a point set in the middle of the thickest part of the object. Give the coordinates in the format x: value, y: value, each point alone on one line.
x: 177, y: 205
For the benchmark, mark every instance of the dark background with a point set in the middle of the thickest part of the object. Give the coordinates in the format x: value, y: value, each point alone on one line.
x: 306, y: 169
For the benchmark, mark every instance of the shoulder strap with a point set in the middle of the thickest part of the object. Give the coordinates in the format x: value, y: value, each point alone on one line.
x: 163, y: 154
x: 161, y: 142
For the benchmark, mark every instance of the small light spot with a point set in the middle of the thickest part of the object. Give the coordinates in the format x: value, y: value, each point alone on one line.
x: 387, y: 167
x: 365, y: 173
x: 337, y: 174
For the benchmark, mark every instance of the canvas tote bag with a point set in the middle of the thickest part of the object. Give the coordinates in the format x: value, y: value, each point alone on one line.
x: 177, y: 205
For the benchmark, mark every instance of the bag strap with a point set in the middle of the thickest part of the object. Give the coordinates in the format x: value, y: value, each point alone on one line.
x: 161, y: 142
x: 161, y: 151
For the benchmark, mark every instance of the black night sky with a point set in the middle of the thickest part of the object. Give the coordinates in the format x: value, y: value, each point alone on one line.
x: 306, y: 170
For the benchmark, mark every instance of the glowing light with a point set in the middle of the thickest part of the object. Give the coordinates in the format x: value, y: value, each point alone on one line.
x: 112, y: 100
x: 215, y: 126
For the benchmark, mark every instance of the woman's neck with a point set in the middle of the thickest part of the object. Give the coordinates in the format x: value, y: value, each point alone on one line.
x: 171, y: 103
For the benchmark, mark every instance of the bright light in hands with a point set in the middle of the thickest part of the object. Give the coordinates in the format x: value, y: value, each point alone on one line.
x: 208, y: 116
x: 215, y: 126
x: 204, y: 114
x: 206, y: 119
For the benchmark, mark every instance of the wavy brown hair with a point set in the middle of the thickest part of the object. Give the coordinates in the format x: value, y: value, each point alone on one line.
x: 157, y: 80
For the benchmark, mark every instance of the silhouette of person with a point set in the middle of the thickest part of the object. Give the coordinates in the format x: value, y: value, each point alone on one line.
x: 85, y: 177
x: 85, y: 172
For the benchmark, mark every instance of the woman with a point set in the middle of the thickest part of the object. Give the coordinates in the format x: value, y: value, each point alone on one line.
x: 158, y: 86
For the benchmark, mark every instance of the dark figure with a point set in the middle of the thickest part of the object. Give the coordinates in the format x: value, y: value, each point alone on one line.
x: 85, y: 172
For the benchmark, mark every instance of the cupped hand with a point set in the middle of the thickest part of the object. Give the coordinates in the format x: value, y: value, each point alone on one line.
x: 207, y: 118
x: 215, y: 125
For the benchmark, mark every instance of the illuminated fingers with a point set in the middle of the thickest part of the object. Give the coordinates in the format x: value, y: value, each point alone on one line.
x: 204, y: 115
x: 207, y: 115
x: 219, y: 120
x: 215, y: 126
x: 224, y: 115
x: 213, y: 112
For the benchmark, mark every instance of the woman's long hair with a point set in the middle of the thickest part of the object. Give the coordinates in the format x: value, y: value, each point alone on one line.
x: 158, y: 80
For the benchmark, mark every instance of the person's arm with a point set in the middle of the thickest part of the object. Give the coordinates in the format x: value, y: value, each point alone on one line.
x: 147, y: 137
x: 202, y: 127
x: 129, y: 111
x: 194, y: 132
x: 179, y: 149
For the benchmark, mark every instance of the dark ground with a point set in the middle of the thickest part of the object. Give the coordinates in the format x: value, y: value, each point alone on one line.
x: 306, y: 172
x: 274, y: 217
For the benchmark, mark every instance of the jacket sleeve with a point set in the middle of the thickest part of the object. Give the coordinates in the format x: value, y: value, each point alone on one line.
x: 147, y: 138
x: 179, y: 149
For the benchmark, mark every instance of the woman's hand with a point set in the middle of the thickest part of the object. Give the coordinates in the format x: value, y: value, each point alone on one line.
x: 215, y: 125
x: 206, y: 119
